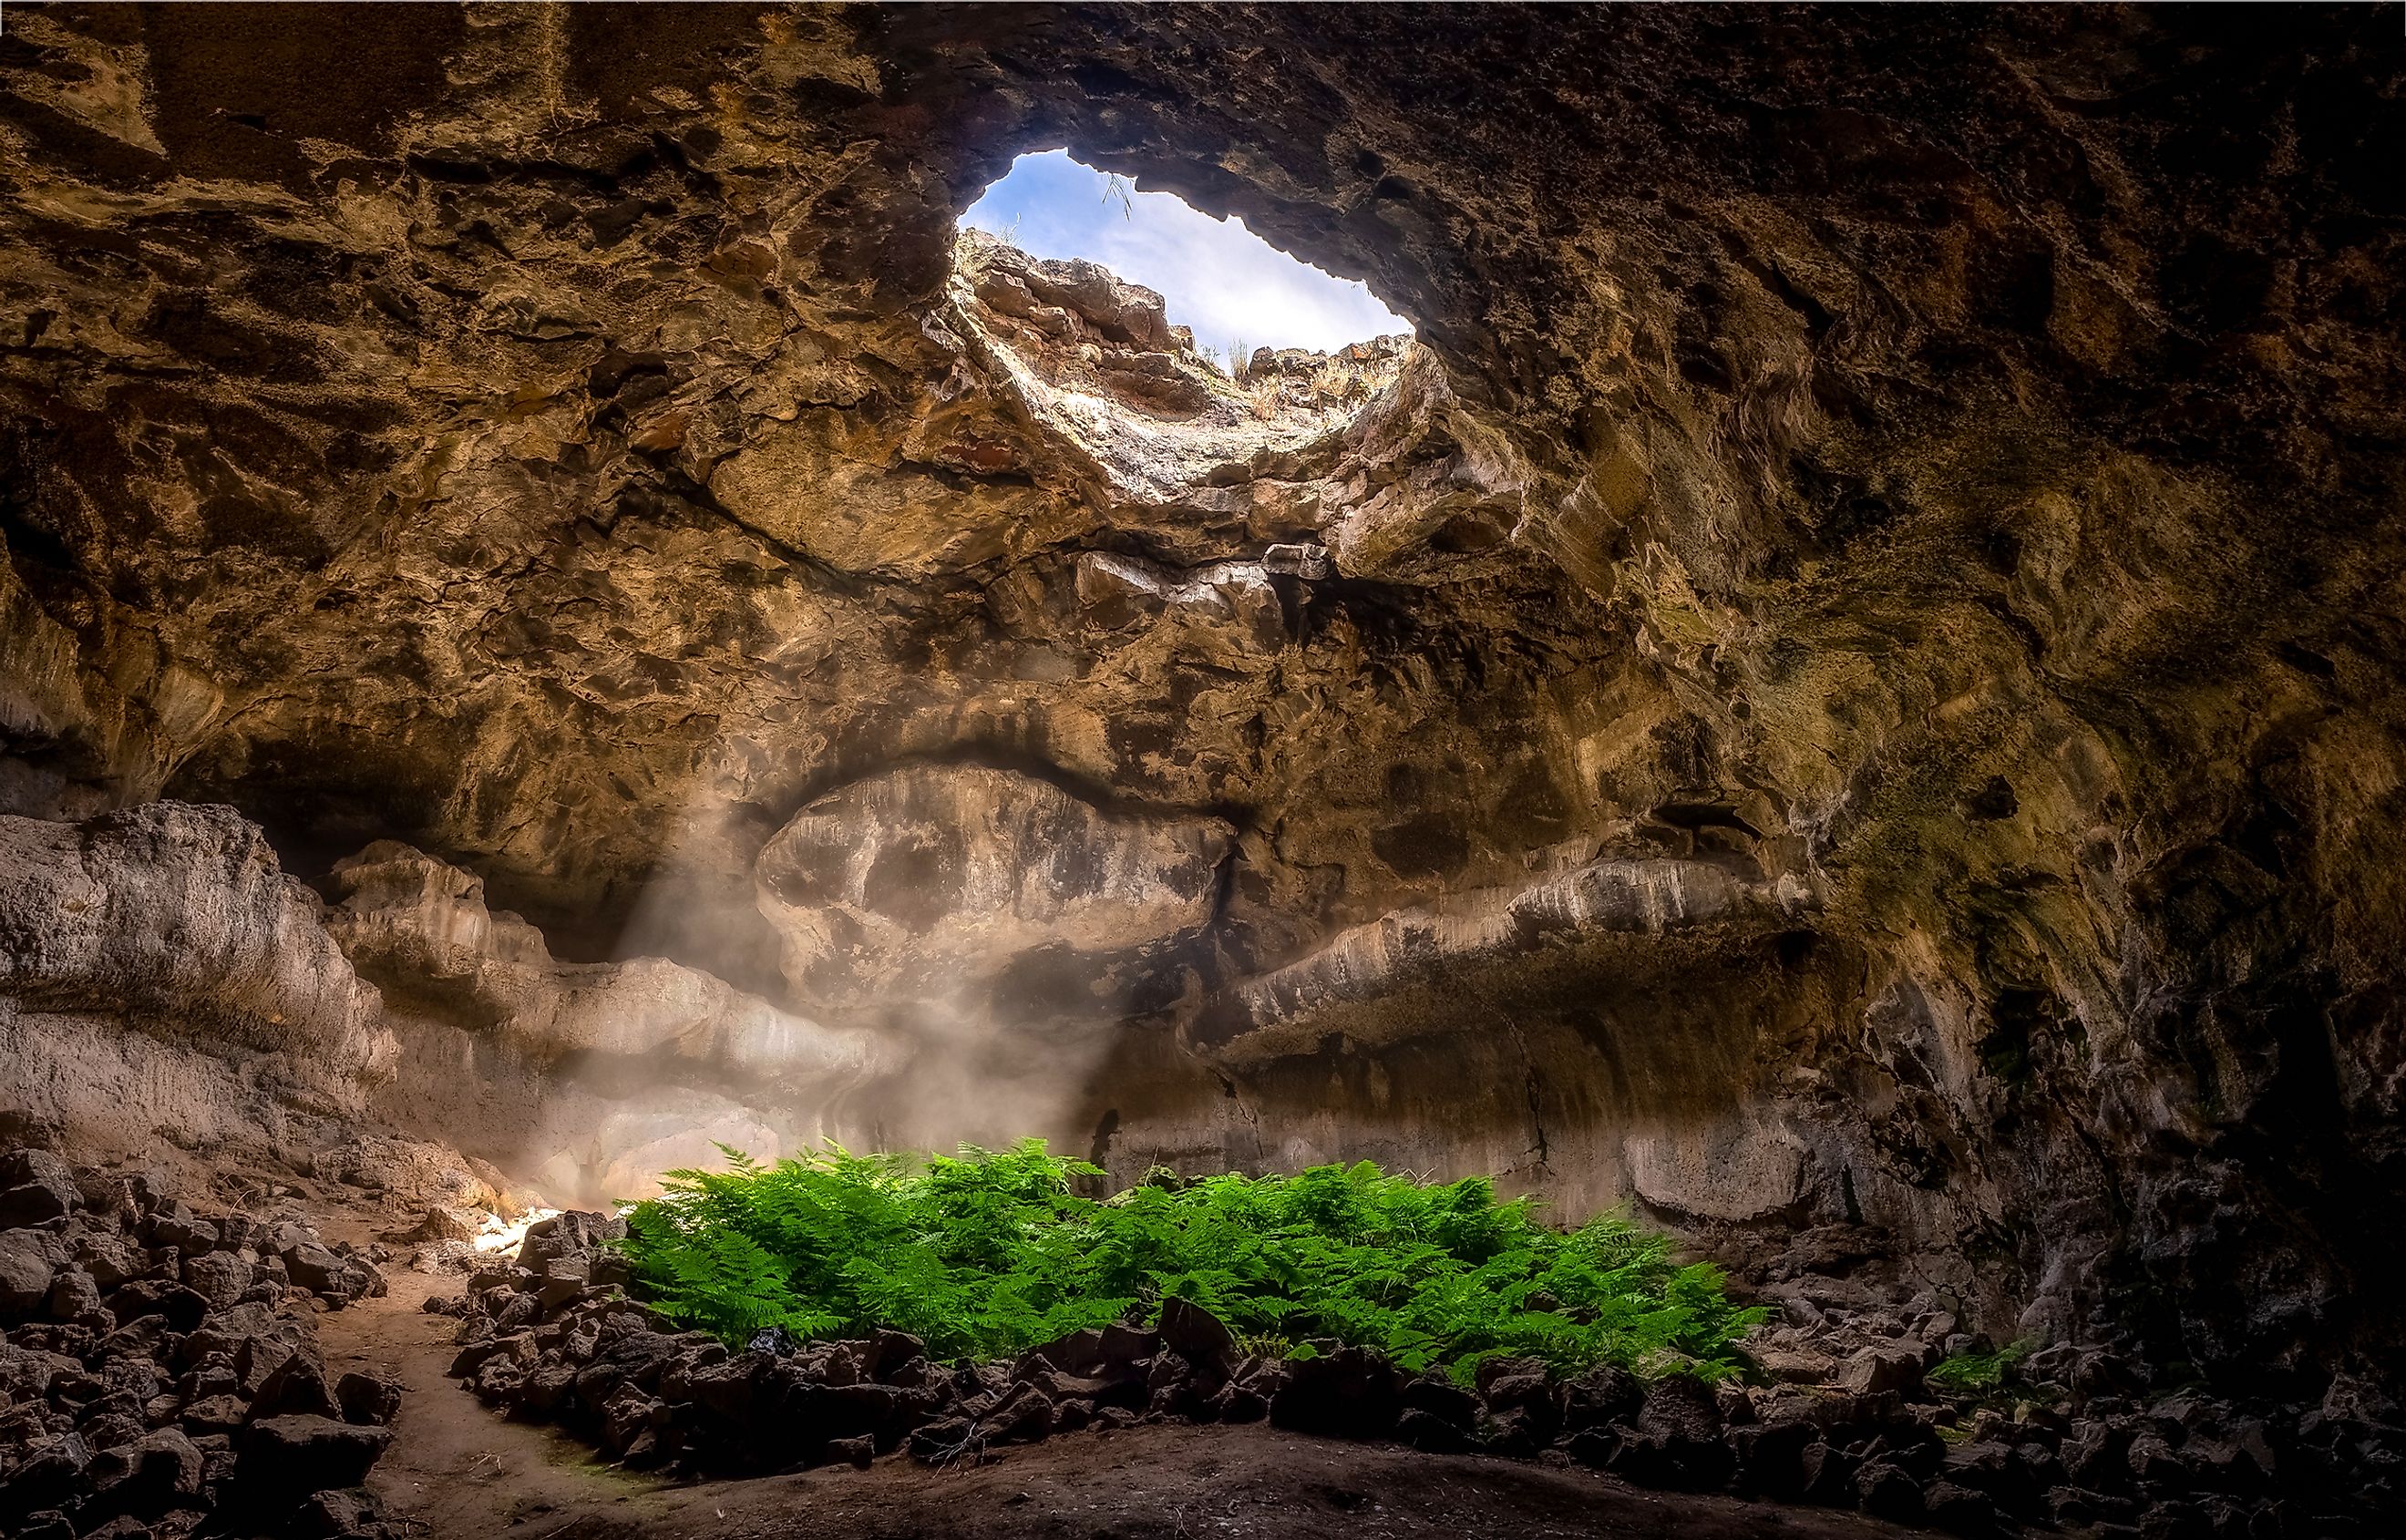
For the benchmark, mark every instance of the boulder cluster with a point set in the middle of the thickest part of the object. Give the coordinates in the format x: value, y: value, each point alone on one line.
x: 2087, y: 1437
x: 2077, y: 1444
x: 162, y: 1369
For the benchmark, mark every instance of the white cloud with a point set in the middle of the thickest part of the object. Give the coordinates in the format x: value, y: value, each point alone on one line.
x: 1214, y: 274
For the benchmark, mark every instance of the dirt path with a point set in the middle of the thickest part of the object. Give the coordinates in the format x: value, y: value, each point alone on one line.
x: 464, y: 1474
x: 455, y: 1466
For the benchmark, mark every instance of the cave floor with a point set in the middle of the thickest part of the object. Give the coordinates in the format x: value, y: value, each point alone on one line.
x: 464, y: 1474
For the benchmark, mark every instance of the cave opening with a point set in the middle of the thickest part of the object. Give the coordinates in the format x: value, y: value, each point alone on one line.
x: 1233, y: 291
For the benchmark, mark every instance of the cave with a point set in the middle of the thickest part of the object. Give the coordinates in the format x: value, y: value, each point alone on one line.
x: 1827, y: 692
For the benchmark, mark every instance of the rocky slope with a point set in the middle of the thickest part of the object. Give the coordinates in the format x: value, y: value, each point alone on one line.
x: 162, y: 1374
x: 1850, y: 674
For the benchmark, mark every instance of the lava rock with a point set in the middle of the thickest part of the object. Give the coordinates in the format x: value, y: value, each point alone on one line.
x: 217, y: 1276
x: 111, y: 1259
x: 285, y: 1459
x: 179, y: 1227
x: 1770, y: 1458
x: 50, y: 1474
x: 332, y: 1515
x: 1960, y: 1510
x: 144, y: 1477
x: 1887, y: 1490
x: 1680, y: 1406
x: 1829, y: 1473
x: 1432, y: 1434
x: 74, y: 1295
x: 1436, y: 1394
x: 26, y: 1263
x: 1601, y: 1396
x: 35, y: 1186
x: 1521, y: 1393
x: 1197, y: 1336
x: 1349, y: 1392
x: 1670, y: 1462
x: 1873, y: 1371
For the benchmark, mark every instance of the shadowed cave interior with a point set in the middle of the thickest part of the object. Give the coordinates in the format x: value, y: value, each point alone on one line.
x: 1835, y: 694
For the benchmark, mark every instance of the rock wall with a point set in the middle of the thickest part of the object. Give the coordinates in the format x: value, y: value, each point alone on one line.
x: 160, y: 975
x: 586, y: 1078
x: 1929, y: 478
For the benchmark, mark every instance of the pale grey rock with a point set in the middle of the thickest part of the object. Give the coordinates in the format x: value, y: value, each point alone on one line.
x: 930, y: 881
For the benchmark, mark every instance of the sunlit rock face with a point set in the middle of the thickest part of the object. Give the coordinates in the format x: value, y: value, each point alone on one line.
x: 1934, y: 483
x: 933, y: 881
x: 159, y: 971
x: 592, y: 1079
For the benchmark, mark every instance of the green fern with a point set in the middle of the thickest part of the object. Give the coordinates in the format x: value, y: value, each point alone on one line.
x: 1977, y: 1374
x: 987, y: 1252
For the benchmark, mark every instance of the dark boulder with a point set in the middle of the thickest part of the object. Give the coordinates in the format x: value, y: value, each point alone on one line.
x: 1436, y: 1395
x: 882, y: 1412
x: 472, y: 1357
x: 74, y: 1295
x: 944, y: 1441
x: 180, y: 1309
x: 1197, y: 1336
x: 1671, y: 1463
x: 574, y: 1232
x: 2097, y: 1458
x: 891, y: 1357
x: 285, y: 1459
x: 26, y: 1264
x: 1124, y: 1347
x: 1593, y: 1447
x: 143, y: 1479
x: 333, y: 1515
x: 49, y: 1475
x: 1680, y: 1406
x: 1523, y: 1403
x: 729, y: 1391
x: 1771, y: 1459
x: 1025, y: 1416
x: 1350, y: 1392
x: 1829, y: 1473
x: 1236, y: 1404
x: 296, y: 1387
x: 1431, y: 1433
x: 33, y: 1204
x: 187, y: 1232
x: 1887, y: 1490
x: 1960, y: 1510
x: 1080, y: 1353
x: 367, y: 1399
x: 219, y: 1276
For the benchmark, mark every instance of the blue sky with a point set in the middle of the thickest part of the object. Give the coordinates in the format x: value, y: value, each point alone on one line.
x: 1216, y: 277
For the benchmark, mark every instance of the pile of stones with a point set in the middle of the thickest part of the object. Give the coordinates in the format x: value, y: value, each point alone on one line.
x: 556, y: 1338
x: 161, y: 1371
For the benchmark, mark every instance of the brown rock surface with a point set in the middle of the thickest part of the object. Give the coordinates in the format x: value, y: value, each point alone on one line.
x: 1929, y: 479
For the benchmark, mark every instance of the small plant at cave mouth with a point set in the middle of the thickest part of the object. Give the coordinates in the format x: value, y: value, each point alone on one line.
x: 1977, y: 1374
x: 987, y: 1253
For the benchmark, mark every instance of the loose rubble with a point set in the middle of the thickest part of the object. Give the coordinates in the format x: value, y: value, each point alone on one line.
x: 1839, y: 1412
x: 161, y: 1371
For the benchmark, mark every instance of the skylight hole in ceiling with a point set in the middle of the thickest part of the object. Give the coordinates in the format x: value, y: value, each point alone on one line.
x: 1235, y: 290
